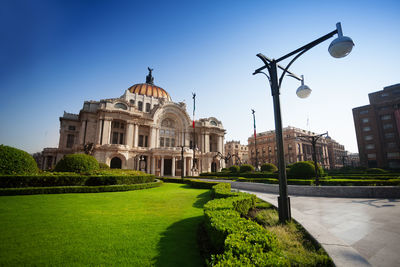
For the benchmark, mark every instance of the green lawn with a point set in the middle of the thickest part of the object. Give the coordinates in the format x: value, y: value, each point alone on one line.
x: 139, y: 228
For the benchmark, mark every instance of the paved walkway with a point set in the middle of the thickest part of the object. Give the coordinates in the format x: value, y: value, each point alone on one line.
x: 350, y: 227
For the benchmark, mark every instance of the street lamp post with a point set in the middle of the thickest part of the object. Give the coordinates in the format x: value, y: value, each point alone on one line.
x: 255, y: 137
x: 314, y: 140
x: 340, y: 47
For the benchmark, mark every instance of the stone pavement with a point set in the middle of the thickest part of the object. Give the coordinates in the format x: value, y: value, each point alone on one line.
x: 350, y: 227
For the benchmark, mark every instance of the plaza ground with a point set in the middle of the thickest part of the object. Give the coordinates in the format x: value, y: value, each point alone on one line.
x: 368, y: 227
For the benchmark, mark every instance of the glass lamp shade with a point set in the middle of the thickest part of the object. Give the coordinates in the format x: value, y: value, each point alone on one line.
x: 341, y: 47
x: 303, y: 91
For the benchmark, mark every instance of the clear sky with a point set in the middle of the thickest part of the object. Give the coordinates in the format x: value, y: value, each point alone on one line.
x: 54, y: 55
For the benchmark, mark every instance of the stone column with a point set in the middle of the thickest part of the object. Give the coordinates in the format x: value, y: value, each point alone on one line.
x: 107, y: 132
x: 136, y: 136
x: 206, y: 142
x: 138, y: 164
x: 152, y: 137
x: 153, y: 165
x: 173, y: 167
x: 129, y: 135
x: 99, y: 129
x: 82, y: 133
x: 148, y: 164
x: 220, y: 144
x: 157, y: 137
x: 162, y: 166
x: 190, y: 166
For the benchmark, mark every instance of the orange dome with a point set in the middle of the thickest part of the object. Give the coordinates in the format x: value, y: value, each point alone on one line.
x: 149, y: 90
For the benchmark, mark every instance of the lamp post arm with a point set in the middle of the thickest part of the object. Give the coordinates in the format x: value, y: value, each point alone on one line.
x: 309, y: 45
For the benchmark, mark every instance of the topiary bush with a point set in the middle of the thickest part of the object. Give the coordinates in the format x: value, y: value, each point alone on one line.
x: 268, y: 167
x: 234, y: 168
x: 79, y: 163
x: 16, y: 161
x: 246, y: 168
x: 301, y: 169
x: 103, y: 166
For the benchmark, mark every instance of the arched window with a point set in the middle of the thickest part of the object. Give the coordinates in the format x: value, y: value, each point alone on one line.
x: 168, y: 133
x: 121, y: 106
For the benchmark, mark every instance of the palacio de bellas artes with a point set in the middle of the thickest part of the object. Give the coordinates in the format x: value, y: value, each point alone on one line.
x: 141, y: 130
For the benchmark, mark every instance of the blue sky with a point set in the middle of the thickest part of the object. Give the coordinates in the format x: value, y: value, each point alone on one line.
x: 54, y: 55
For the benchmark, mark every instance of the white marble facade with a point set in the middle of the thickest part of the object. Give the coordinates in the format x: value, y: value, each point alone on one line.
x: 141, y: 130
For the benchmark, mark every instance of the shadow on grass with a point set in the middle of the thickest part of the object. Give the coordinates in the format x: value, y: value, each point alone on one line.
x: 178, y: 244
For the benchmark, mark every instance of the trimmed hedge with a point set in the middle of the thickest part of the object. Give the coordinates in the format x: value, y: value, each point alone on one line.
x: 195, y: 183
x: 234, y: 169
x: 301, y: 169
x: 328, y: 182
x: 103, y: 166
x: 70, y: 179
x: 239, y: 241
x: 246, y: 168
x: 268, y: 167
x: 79, y: 163
x: 246, y: 175
x: 75, y: 189
x: 16, y: 161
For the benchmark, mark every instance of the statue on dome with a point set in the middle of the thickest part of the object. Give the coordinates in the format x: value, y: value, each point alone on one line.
x: 150, y: 78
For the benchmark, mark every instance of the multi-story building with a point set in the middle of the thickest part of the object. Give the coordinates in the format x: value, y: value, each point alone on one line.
x: 296, y: 148
x: 353, y: 160
x: 377, y: 128
x: 143, y: 130
x: 236, y: 153
x: 337, y: 154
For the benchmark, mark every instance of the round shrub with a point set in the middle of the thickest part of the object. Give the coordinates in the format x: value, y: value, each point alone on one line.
x: 234, y: 168
x: 301, y: 169
x: 246, y: 168
x: 77, y: 163
x: 103, y: 166
x: 224, y: 170
x: 16, y: 161
x: 268, y: 167
x: 376, y: 170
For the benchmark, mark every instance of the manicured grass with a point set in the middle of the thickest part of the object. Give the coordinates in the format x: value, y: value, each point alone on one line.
x: 138, y: 228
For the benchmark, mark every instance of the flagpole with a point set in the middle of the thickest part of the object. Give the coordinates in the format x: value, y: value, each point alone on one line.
x: 255, y: 137
x: 194, y: 133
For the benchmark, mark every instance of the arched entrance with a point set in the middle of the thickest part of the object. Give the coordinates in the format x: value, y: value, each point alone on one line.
x: 116, y: 163
x: 214, y: 167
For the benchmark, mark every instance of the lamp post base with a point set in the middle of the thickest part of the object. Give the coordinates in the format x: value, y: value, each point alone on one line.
x: 284, y: 209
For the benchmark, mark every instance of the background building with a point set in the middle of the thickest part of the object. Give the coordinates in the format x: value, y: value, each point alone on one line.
x: 295, y: 148
x: 377, y: 128
x: 337, y: 154
x: 236, y: 153
x: 143, y: 130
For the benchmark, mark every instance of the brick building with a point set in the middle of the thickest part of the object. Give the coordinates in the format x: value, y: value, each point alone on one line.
x: 377, y: 128
x: 295, y: 148
x: 337, y: 154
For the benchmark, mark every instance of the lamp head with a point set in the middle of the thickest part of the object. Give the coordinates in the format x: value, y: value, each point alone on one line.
x: 342, y: 45
x: 303, y: 91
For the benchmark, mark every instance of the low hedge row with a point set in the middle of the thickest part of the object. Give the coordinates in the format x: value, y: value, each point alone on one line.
x: 17, y: 181
x: 75, y: 189
x: 327, y: 182
x: 245, y: 174
x: 195, y: 183
x: 236, y: 240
